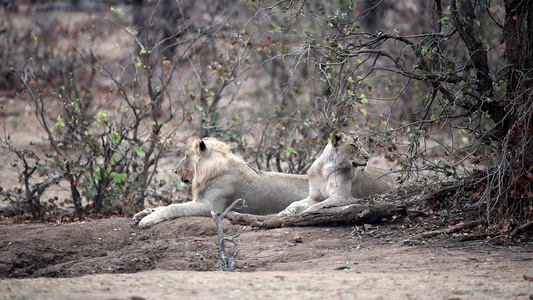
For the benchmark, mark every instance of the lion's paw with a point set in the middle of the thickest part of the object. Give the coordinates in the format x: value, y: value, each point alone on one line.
x: 140, y: 215
x: 147, y: 222
x: 290, y: 211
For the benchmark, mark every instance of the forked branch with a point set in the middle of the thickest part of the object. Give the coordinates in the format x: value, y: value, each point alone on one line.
x: 229, y: 260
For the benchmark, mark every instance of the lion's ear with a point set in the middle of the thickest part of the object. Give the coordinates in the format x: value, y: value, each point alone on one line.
x: 337, y: 138
x: 202, y: 145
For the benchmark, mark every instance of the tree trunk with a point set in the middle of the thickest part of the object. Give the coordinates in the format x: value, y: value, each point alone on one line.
x: 518, y: 38
x: 518, y: 146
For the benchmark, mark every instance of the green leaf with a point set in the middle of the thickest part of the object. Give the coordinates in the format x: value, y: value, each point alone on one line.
x: 364, y: 99
x: 287, y: 151
x: 424, y: 49
x: 119, y: 177
x: 363, y: 111
x: 444, y: 20
x: 100, y: 116
x: 118, y: 11
x: 275, y: 27
x: 115, y: 137
x: 139, y: 150
x: 116, y: 157
x: 209, y: 94
x: 60, y: 122
x: 433, y: 118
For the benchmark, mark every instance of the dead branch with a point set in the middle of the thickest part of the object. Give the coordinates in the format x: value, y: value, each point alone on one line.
x: 347, y: 214
x: 228, y: 260
x: 522, y: 229
x: 40, y: 186
x: 19, y: 205
x: 451, y: 229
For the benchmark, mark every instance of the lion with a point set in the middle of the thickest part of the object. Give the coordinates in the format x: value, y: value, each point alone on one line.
x: 218, y: 178
x: 339, y: 174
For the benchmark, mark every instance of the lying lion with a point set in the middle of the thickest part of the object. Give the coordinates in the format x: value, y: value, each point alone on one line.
x: 341, y: 173
x: 218, y: 178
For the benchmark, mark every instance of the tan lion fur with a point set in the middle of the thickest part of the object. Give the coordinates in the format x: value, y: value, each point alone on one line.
x: 218, y: 178
x: 340, y: 174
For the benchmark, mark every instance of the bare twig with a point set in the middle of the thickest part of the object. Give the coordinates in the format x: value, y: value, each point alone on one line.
x: 229, y: 259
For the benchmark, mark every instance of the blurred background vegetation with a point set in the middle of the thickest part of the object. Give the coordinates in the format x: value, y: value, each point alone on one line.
x: 439, y: 90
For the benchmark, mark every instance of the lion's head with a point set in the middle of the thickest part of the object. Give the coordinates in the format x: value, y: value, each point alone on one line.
x: 185, y: 168
x: 205, y: 159
x: 348, y: 149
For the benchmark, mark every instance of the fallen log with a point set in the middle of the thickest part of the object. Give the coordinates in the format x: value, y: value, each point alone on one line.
x: 351, y: 214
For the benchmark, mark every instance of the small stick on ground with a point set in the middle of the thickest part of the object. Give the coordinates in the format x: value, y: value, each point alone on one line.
x: 229, y: 260
x: 452, y: 229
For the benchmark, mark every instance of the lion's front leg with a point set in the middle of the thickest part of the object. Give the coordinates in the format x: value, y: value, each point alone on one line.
x: 173, y: 211
x: 140, y: 215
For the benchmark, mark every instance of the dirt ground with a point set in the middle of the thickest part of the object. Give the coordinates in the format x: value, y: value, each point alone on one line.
x: 110, y: 259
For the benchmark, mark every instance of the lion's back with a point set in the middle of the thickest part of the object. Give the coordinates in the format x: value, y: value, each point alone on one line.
x: 371, y: 181
x: 271, y: 192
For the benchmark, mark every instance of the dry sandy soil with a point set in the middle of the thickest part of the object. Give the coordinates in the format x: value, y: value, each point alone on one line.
x: 110, y: 259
